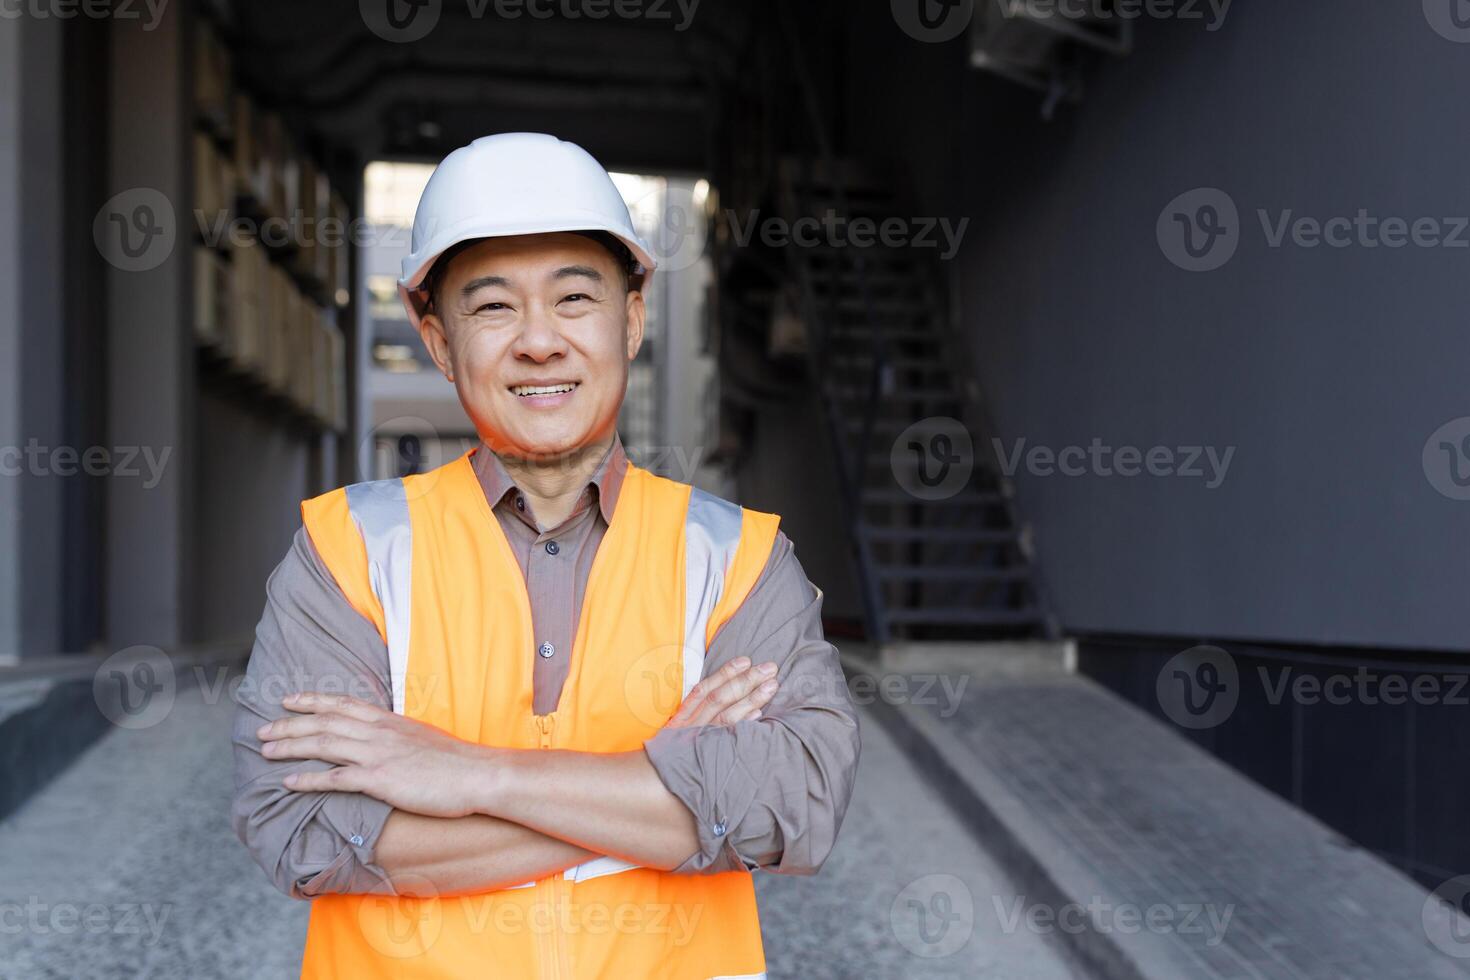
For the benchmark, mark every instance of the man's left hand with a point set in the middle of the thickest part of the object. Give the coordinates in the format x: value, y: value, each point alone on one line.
x: 406, y: 763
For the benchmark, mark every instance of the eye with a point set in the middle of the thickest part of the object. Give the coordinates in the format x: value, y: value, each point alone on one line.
x: 575, y: 296
x: 491, y: 307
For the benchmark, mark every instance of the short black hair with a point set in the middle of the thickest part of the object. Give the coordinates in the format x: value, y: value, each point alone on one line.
x: 627, y: 263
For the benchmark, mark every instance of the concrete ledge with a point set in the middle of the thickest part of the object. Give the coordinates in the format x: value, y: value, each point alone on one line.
x: 50, y: 713
x: 1094, y: 807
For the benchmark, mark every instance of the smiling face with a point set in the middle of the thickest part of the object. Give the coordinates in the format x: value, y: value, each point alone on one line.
x: 536, y: 332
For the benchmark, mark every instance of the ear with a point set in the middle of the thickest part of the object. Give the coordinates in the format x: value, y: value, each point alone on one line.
x: 637, y: 313
x: 436, y: 339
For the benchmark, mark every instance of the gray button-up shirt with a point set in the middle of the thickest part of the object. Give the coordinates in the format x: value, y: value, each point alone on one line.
x: 769, y: 793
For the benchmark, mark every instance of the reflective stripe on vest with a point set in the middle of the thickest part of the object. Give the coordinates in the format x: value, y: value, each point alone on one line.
x: 380, y: 511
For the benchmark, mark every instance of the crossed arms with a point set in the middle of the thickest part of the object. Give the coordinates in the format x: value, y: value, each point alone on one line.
x: 335, y: 794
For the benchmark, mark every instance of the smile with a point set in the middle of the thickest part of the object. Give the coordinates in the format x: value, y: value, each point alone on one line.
x: 527, y: 391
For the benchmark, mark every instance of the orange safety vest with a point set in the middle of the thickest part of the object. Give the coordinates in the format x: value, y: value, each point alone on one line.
x: 425, y: 559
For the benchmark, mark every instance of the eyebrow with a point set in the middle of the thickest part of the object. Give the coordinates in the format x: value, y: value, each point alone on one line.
x: 483, y: 282
x: 573, y: 271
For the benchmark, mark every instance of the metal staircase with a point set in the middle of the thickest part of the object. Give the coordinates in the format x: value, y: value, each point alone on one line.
x: 957, y: 566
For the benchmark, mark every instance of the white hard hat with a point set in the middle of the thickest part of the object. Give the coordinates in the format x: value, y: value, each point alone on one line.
x: 513, y: 184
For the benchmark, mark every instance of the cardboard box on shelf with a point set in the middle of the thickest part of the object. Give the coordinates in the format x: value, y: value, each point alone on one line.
x: 248, y: 300
x: 308, y: 224
x: 285, y: 298
x: 212, y: 299
x: 250, y: 166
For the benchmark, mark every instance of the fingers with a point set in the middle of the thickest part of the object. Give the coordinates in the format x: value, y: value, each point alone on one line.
x: 737, y: 695
x: 308, y: 702
x: 749, y: 707
x: 327, y: 748
x: 298, y: 726
x: 343, y: 779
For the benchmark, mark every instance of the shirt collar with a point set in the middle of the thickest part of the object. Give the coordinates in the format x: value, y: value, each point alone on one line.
x: 607, y: 479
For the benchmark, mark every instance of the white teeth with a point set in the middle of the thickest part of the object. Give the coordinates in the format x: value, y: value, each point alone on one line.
x: 523, y: 390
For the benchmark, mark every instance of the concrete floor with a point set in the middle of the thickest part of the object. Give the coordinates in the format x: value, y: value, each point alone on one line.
x: 126, y: 866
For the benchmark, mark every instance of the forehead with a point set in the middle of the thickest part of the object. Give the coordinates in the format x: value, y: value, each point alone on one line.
x: 529, y: 256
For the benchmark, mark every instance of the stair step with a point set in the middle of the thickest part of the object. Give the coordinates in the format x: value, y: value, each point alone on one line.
x: 952, y: 573
x: 938, y: 535
x: 901, y: 396
x: 963, y: 616
x: 965, y: 498
x: 915, y: 364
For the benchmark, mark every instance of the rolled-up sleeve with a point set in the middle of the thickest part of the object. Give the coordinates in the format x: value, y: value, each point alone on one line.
x: 769, y: 793
x: 309, y: 639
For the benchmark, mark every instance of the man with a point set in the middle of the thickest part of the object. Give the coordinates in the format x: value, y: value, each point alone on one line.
x: 537, y: 712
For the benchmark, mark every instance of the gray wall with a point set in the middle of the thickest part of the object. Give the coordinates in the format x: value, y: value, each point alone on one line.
x: 1327, y: 368
x: 10, y: 367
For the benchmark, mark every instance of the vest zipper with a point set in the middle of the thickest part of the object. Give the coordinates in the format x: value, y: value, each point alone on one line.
x: 551, y: 944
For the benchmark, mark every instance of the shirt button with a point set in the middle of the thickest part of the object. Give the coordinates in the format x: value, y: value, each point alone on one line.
x: 552, y: 547
x: 520, y: 502
x: 356, y: 840
x: 719, y: 829
x: 546, y: 650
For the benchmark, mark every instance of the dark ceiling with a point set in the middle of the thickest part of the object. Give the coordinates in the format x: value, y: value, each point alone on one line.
x: 637, y: 91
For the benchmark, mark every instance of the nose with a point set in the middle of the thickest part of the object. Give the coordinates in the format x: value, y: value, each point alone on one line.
x: 540, y: 338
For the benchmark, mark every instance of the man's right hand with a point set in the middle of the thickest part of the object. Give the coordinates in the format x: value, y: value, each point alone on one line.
x: 735, y: 692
